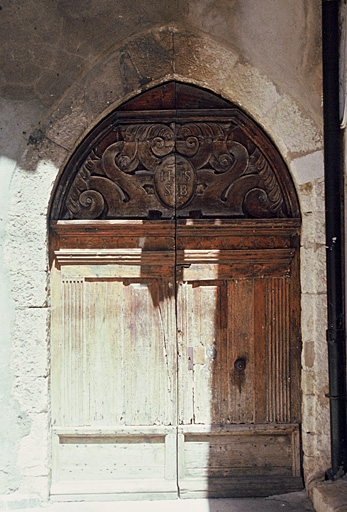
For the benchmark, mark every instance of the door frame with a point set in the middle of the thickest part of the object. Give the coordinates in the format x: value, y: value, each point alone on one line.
x: 281, y: 233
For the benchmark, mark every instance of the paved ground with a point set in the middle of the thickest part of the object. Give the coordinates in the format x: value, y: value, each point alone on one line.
x: 331, y: 496
x: 292, y: 502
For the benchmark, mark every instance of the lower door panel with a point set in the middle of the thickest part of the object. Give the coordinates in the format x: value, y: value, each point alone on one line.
x: 238, y: 460
x: 129, y: 463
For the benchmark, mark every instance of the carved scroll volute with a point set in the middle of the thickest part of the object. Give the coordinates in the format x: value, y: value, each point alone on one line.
x: 83, y: 202
x: 257, y: 194
x: 229, y: 161
x: 194, y: 141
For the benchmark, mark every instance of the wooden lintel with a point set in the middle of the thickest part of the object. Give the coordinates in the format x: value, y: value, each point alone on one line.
x: 113, y: 256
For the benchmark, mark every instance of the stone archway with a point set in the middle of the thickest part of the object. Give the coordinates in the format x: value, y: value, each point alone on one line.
x: 212, y: 65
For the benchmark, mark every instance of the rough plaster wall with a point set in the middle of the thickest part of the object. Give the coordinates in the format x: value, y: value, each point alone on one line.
x: 64, y: 66
x: 49, y: 44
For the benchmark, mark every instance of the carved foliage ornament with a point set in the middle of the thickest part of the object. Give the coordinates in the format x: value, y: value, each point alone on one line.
x: 187, y: 169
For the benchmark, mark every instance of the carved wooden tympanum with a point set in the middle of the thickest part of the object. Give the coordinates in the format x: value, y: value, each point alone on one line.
x: 184, y: 162
x: 175, y: 307
x: 196, y: 169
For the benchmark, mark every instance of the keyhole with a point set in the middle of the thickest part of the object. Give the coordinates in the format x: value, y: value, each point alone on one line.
x: 240, y: 364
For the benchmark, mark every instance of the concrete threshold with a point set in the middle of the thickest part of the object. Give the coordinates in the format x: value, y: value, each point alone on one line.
x: 330, y: 496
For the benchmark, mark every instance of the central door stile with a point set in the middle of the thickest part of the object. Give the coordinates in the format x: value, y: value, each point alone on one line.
x: 177, y: 348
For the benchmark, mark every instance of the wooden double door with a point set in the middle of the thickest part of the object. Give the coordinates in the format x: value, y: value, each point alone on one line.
x: 175, y: 358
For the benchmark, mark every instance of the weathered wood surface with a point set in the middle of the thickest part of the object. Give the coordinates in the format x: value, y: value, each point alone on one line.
x: 241, y: 234
x: 114, y: 365
x: 114, y: 462
x: 238, y: 460
x: 175, y: 95
x: 149, y: 320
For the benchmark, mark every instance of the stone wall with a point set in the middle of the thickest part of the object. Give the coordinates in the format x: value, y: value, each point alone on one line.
x: 65, y: 66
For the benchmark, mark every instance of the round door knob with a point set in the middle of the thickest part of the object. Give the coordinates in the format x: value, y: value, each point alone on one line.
x: 211, y: 352
x: 240, y: 364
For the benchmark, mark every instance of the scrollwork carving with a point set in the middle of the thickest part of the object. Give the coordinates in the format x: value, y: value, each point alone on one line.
x: 189, y: 169
x: 270, y: 184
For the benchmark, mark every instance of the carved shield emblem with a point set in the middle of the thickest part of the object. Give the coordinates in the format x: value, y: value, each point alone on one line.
x: 174, y: 181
